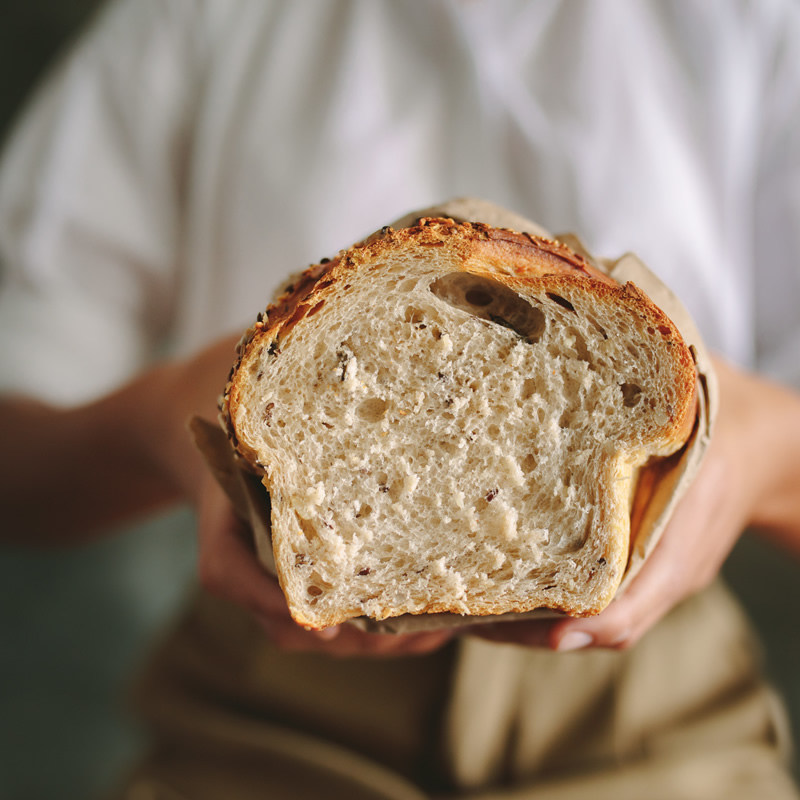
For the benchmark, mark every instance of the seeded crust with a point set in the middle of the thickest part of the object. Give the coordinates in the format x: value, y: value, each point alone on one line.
x: 451, y: 418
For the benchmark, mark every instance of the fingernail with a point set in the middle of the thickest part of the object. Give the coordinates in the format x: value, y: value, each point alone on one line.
x: 574, y: 640
x: 327, y: 633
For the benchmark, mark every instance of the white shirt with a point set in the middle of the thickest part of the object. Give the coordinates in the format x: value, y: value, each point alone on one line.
x: 189, y: 154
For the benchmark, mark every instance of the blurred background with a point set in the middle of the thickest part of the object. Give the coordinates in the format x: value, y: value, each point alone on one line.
x: 75, y: 625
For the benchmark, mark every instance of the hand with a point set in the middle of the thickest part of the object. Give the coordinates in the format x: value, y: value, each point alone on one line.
x: 229, y: 568
x: 742, y: 481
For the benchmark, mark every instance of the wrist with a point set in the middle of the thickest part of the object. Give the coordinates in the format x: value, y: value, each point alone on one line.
x: 777, y: 440
x: 763, y: 419
x: 156, y: 432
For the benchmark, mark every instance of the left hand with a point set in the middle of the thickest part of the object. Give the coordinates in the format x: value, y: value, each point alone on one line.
x: 734, y: 488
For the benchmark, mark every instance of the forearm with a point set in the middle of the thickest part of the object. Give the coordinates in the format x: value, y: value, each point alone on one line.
x: 777, y: 434
x: 69, y: 474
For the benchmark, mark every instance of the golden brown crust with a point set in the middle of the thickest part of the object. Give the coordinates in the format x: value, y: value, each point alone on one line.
x: 484, y: 249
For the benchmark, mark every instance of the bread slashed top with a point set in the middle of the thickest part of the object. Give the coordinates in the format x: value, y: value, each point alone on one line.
x: 450, y: 417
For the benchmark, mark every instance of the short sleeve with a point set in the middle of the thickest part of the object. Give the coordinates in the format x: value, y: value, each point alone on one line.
x: 91, y: 187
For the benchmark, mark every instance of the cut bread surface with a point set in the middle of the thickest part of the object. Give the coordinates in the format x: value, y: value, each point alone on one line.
x: 450, y: 418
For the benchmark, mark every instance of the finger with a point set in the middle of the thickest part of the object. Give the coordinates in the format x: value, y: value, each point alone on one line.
x: 328, y: 634
x: 649, y: 597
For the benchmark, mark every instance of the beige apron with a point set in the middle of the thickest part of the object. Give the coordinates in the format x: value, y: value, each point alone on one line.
x: 684, y: 714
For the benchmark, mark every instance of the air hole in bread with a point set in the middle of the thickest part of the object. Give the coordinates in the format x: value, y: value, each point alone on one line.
x: 318, y: 583
x: 574, y: 338
x: 528, y: 389
x: 306, y: 528
x: 406, y: 285
x: 414, y: 315
x: 478, y: 297
x: 492, y: 301
x: 597, y: 326
x: 631, y: 394
x: 562, y: 301
x: 450, y: 448
x: 373, y: 409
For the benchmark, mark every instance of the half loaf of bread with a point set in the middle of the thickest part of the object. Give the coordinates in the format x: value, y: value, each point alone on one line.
x: 450, y: 418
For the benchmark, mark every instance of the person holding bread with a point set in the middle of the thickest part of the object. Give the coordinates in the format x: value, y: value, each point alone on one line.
x: 185, y: 158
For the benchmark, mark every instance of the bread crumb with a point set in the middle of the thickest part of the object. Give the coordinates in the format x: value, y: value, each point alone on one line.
x: 350, y: 372
x: 513, y: 472
x: 499, y: 521
x: 444, y: 346
x: 305, y: 502
x: 410, y: 482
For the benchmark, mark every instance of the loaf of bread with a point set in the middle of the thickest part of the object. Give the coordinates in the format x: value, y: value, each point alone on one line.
x: 450, y: 418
